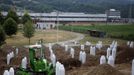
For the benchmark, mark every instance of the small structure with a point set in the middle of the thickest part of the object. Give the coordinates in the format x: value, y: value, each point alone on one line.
x: 45, y: 25
x: 96, y: 33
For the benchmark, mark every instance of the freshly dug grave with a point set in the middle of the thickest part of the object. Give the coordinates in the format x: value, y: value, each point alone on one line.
x: 104, y: 69
x: 125, y: 54
x: 70, y: 63
x: 60, y: 53
x: 65, y: 58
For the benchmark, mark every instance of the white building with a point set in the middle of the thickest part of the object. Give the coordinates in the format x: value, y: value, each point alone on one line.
x: 45, y: 25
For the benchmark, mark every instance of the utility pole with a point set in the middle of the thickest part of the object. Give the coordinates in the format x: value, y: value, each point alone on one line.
x: 57, y: 24
x: 130, y: 11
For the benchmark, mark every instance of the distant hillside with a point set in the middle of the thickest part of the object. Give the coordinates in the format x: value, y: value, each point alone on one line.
x: 87, y: 6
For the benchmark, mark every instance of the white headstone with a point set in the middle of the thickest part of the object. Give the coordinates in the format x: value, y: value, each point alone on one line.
x: 80, y: 57
x: 131, y: 44
x: 26, y: 60
x: 6, y: 72
x: 82, y: 47
x: 83, y: 57
x: 116, y: 44
x: 114, y: 53
x: 132, y: 67
x: 102, y: 59
x: 62, y: 70
x: 8, y: 59
x: 66, y: 47
x: 92, y: 51
x: 11, y: 71
x: 112, y: 45
x: 53, y: 60
x: 72, y: 52
x: 12, y: 54
x: 24, y: 63
x: 50, y: 46
x: 57, y: 68
x: 111, y: 61
x: 108, y: 52
x: 17, y: 51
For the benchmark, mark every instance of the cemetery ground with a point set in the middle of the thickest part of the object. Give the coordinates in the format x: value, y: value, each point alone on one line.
x: 73, y: 66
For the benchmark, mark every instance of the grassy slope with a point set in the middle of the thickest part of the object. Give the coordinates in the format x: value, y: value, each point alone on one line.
x: 116, y: 31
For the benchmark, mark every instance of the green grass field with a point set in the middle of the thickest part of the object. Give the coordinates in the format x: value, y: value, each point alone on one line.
x: 125, y: 32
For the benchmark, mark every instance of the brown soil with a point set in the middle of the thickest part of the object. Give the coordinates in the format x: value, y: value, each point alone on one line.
x: 125, y: 54
x: 70, y: 63
x: 104, y: 69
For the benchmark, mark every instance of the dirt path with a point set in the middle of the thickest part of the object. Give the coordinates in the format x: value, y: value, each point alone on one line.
x: 71, y: 41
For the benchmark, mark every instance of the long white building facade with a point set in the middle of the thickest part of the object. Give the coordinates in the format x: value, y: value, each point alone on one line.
x: 65, y: 17
x: 48, y: 20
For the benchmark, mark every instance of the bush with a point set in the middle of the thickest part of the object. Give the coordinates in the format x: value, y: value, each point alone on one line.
x: 10, y: 27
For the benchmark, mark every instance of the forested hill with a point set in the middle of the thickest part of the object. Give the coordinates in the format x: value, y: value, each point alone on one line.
x: 87, y: 6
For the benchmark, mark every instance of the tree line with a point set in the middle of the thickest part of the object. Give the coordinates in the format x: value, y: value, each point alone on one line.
x: 9, y: 25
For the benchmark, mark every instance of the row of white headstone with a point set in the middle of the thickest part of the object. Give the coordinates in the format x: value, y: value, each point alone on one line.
x: 130, y: 44
x: 111, y: 60
x: 111, y: 51
x: 111, y: 54
x: 82, y: 55
x: 9, y: 57
x: 10, y: 72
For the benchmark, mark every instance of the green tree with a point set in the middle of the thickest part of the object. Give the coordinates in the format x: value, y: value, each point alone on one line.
x: 26, y: 17
x: 2, y: 36
x: 28, y: 30
x: 1, y: 19
x: 10, y: 27
x: 12, y: 14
